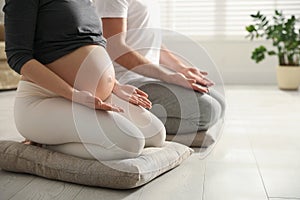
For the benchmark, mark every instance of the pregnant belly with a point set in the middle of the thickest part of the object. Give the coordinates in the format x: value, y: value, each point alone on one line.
x: 88, y: 68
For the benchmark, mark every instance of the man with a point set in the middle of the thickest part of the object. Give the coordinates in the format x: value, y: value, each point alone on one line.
x: 179, y: 93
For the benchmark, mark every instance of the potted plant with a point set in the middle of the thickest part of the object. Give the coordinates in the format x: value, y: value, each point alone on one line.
x: 286, y: 40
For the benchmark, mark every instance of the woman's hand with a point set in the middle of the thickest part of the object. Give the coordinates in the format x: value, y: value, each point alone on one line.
x: 182, y: 80
x: 87, y: 99
x: 132, y: 94
x: 196, y: 74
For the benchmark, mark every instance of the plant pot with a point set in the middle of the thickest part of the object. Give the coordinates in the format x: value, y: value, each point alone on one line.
x: 288, y: 77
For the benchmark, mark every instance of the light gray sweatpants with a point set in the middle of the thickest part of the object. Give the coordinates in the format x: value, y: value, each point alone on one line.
x: 182, y: 110
x: 44, y: 117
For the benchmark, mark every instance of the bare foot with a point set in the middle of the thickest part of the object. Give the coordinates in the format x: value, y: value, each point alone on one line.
x: 28, y: 142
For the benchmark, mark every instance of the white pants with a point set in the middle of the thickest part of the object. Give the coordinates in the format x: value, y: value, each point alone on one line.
x: 44, y: 117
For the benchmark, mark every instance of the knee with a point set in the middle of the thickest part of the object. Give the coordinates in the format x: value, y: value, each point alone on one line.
x: 158, y: 139
x: 131, y: 146
x: 221, y: 100
x: 154, y: 133
x: 215, y: 111
x: 223, y: 107
x: 152, y: 129
x: 210, y: 113
x: 135, y: 146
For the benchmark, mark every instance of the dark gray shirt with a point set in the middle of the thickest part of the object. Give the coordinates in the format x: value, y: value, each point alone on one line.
x: 48, y: 29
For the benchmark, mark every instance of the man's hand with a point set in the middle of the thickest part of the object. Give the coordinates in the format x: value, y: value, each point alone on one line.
x: 196, y: 74
x: 132, y: 94
x: 182, y: 80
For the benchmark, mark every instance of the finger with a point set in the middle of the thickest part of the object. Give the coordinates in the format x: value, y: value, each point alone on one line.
x: 117, y: 109
x: 134, y: 100
x: 142, y: 93
x: 191, y: 80
x: 204, y: 81
x: 200, y: 88
x: 201, y: 80
x: 140, y: 101
x: 188, y: 83
x: 143, y: 98
x: 203, y: 73
x: 209, y: 82
x: 196, y: 71
x: 104, y: 106
x: 110, y: 107
x: 144, y: 102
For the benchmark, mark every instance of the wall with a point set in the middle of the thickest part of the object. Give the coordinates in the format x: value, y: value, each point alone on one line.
x: 1, y: 12
x: 231, y: 57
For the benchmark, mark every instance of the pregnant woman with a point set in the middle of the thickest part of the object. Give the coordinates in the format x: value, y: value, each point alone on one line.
x: 68, y: 97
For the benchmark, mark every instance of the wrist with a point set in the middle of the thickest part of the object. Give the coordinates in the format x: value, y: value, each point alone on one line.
x: 73, y: 96
x: 165, y: 77
x: 181, y: 68
x: 116, y: 86
x: 169, y: 78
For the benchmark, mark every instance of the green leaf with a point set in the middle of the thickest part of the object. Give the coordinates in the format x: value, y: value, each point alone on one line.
x: 264, y: 24
x: 271, y: 53
x: 278, y: 13
x: 250, y: 28
x: 255, y: 15
x: 259, y: 54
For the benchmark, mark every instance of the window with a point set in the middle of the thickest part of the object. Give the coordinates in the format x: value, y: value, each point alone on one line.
x: 219, y: 17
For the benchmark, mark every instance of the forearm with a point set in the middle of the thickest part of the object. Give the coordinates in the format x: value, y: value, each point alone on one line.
x: 134, y: 61
x: 44, y: 77
x: 170, y: 61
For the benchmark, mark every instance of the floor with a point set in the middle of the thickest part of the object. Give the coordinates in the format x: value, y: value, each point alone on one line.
x: 257, y: 157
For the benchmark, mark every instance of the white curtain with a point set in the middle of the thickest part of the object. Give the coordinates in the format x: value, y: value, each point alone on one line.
x: 219, y: 17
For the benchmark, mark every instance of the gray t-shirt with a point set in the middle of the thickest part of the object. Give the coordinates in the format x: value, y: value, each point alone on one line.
x: 46, y: 30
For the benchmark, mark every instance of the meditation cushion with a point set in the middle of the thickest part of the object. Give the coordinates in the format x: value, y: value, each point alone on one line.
x: 197, y: 140
x: 118, y: 174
